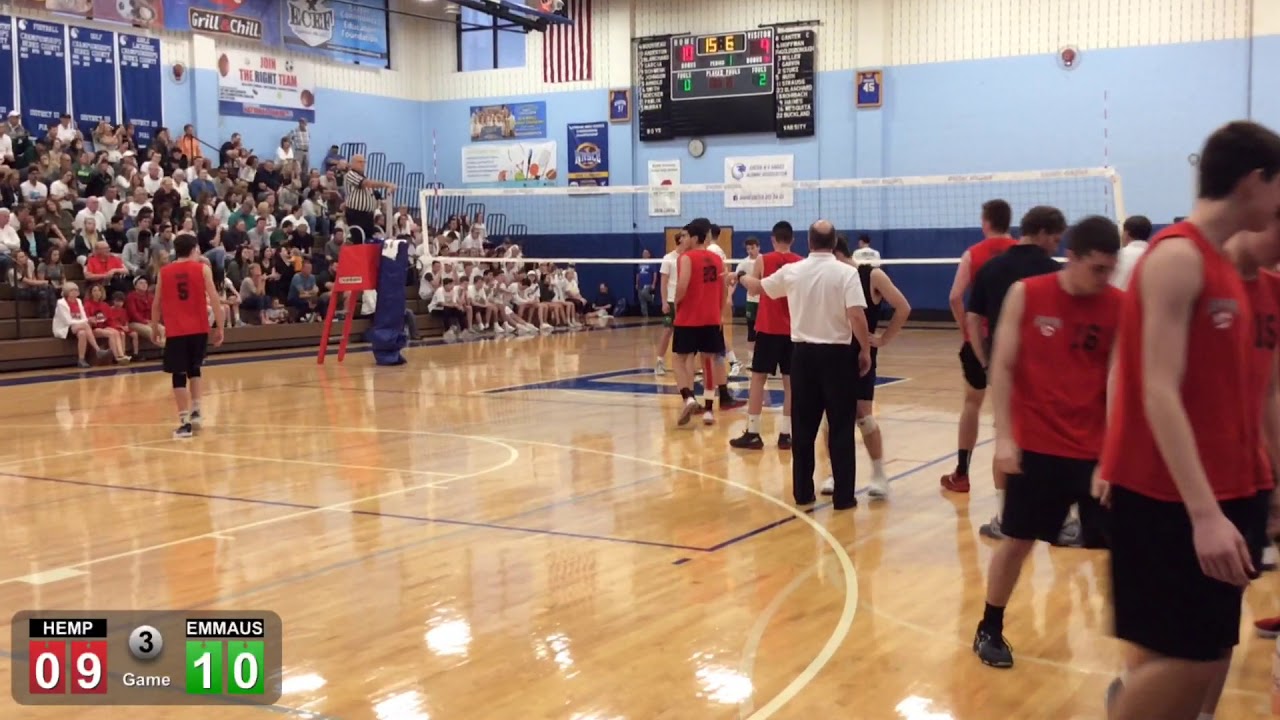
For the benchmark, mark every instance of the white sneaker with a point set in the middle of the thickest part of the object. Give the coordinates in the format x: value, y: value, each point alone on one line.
x: 660, y: 368
x: 708, y: 418
x: 735, y: 368
x: 829, y: 486
x: 879, y: 489
x: 546, y: 328
x: 507, y: 327
x: 450, y: 335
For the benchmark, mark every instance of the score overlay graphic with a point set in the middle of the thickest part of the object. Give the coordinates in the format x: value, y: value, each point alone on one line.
x: 146, y: 657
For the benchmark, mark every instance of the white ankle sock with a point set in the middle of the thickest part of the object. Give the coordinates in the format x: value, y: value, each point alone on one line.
x: 753, y: 424
x: 1204, y: 716
x: 784, y: 425
x: 877, y: 467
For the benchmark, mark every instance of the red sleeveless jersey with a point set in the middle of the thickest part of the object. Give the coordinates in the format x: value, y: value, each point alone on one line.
x: 1215, y: 388
x: 1263, y: 291
x: 1059, y: 401
x: 979, y: 254
x: 773, y: 316
x: 700, y: 305
x: 184, y: 309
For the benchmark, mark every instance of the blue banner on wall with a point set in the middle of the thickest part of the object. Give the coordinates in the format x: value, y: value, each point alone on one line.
x: 93, y: 78
x: 353, y: 31
x: 42, y: 74
x: 589, y: 154
x: 254, y: 20
x: 141, y: 93
x: 508, y: 122
x: 6, y: 66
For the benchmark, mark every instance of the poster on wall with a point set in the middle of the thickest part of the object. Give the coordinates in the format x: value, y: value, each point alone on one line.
x: 139, y: 13
x: 94, y: 92
x: 514, y: 121
x: 664, y: 173
x: 353, y: 31
x: 6, y: 66
x: 141, y: 95
x: 255, y: 20
x: 520, y: 164
x: 79, y: 8
x: 253, y: 84
x: 765, y: 171
x: 42, y: 74
x: 589, y: 155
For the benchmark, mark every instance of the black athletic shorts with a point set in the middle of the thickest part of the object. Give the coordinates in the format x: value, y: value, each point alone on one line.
x: 1037, y: 500
x: 183, y: 355
x: 974, y: 373
x: 705, y: 339
x: 772, y: 355
x: 752, y: 309
x: 866, y: 384
x: 1162, y: 601
x: 1257, y: 538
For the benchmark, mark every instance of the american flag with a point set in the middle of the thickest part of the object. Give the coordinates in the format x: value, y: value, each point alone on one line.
x: 566, y: 49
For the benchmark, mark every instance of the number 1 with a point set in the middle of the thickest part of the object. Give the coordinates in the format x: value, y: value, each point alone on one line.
x: 203, y: 664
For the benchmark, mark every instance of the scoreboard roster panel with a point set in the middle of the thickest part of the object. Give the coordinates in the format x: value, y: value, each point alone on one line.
x: 146, y: 657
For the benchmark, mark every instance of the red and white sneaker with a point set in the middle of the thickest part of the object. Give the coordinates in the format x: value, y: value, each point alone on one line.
x: 1267, y: 627
x: 955, y: 482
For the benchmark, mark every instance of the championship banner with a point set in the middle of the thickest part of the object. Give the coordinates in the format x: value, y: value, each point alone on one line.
x: 142, y: 96
x: 589, y: 155
x: 352, y: 31
x: 254, y: 20
x: 766, y: 171
x: 6, y: 66
x: 147, y: 14
x: 518, y: 164
x: 252, y: 84
x: 664, y: 173
x: 42, y: 74
x: 79, y: 8
x: 508, y: 122
x: 94, y: 92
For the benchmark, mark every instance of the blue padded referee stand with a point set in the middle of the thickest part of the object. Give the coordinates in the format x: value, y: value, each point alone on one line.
x: 387, y: 334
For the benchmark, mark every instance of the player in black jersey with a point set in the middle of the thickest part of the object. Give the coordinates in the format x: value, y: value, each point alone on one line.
x: 878, y: 289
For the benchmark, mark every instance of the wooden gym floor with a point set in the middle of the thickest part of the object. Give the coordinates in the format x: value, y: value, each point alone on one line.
x: 513, y: 530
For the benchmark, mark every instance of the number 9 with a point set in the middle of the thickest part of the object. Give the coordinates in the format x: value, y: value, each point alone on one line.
x: 90, y: 670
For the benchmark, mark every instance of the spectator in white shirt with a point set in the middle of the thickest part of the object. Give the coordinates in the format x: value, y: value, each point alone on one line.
x: 154, y: 178
x: 33, y: 191
x: 181, y: 186
x: 66, y: 132
x: 92, y: 209
x: 63, y: 191
x: 124, y: 177
x: 473, y: 244
x: 10, y: 243
x: 108, y: 204
x: 1137, y: 231
x: 444, y: 305
x: 138, y: 202
x: 6, y: 144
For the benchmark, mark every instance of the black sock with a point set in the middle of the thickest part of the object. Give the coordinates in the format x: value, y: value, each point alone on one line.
x: 709, y: 405
x: 725, y: 395
x: 993, y: 619
x: 686, y: 394
x: 962, y: 464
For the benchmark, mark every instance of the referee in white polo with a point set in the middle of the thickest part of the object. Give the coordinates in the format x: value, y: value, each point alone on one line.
x: 361, y: 204
x: 826, y: 302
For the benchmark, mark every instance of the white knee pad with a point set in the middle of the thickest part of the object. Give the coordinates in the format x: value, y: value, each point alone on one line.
x: 867, y: 425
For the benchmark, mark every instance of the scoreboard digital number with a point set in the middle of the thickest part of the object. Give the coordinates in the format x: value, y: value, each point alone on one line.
x: 146, y: 658
x: 728, y: 65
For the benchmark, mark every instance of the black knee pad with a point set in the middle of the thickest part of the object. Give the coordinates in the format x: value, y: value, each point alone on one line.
x: 195, y: 373
x: 179, y: 381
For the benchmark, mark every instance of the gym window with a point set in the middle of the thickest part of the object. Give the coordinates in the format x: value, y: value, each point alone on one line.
x: 485, y: 44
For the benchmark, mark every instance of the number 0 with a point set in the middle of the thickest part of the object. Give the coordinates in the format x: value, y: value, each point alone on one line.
x: 245, y: 671
x: 48, y: 672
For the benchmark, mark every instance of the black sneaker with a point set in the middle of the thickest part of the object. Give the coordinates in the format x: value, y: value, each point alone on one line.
x: 184, y: 431
x: 992, y: 649
x: 729, y: 402
x: 196, y: 418
x: 748, y: 441
x: 784, y: 441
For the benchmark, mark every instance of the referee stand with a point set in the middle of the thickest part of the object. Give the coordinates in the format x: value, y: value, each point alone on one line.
x: 357, y: 272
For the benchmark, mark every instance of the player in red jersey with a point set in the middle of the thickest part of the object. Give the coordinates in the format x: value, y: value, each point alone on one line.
x: 185, y: 292
x: 1181, y: 447
x: 996, y: 219
x: 700, y: 299
x: 1052, y: 350
x: 772, y: 341
x: 1251, y: 252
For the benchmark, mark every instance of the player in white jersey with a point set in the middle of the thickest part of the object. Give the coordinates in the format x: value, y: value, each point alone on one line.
x: 713, y: 244
x: 667, y: 291
x: 865, y: 254
x: 748, y: 267
x: 1137, y: 230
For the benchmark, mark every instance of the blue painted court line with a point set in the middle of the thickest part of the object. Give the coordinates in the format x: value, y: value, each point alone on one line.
x: 827, y: 503
x: 154, y: 367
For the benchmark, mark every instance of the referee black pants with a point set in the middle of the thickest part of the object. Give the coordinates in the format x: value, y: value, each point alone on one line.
x: 362, y: 220
x: 822, y: 381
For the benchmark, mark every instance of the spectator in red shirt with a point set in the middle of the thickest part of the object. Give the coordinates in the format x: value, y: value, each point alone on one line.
x: 138, y: 307
x: 103, y: 267
x: 97, y: 308
x: 118, y: 320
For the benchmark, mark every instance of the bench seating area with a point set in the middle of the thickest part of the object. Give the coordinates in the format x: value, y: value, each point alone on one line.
x: 27, y: 342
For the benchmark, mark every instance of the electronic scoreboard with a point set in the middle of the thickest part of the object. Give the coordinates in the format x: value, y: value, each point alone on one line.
x: 146, y: 657
x: 738, y: 82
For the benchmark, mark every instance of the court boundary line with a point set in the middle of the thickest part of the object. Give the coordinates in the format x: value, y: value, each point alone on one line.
x: 444, y: 477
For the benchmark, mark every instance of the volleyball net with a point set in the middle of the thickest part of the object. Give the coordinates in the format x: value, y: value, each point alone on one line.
x: 920, y: 225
